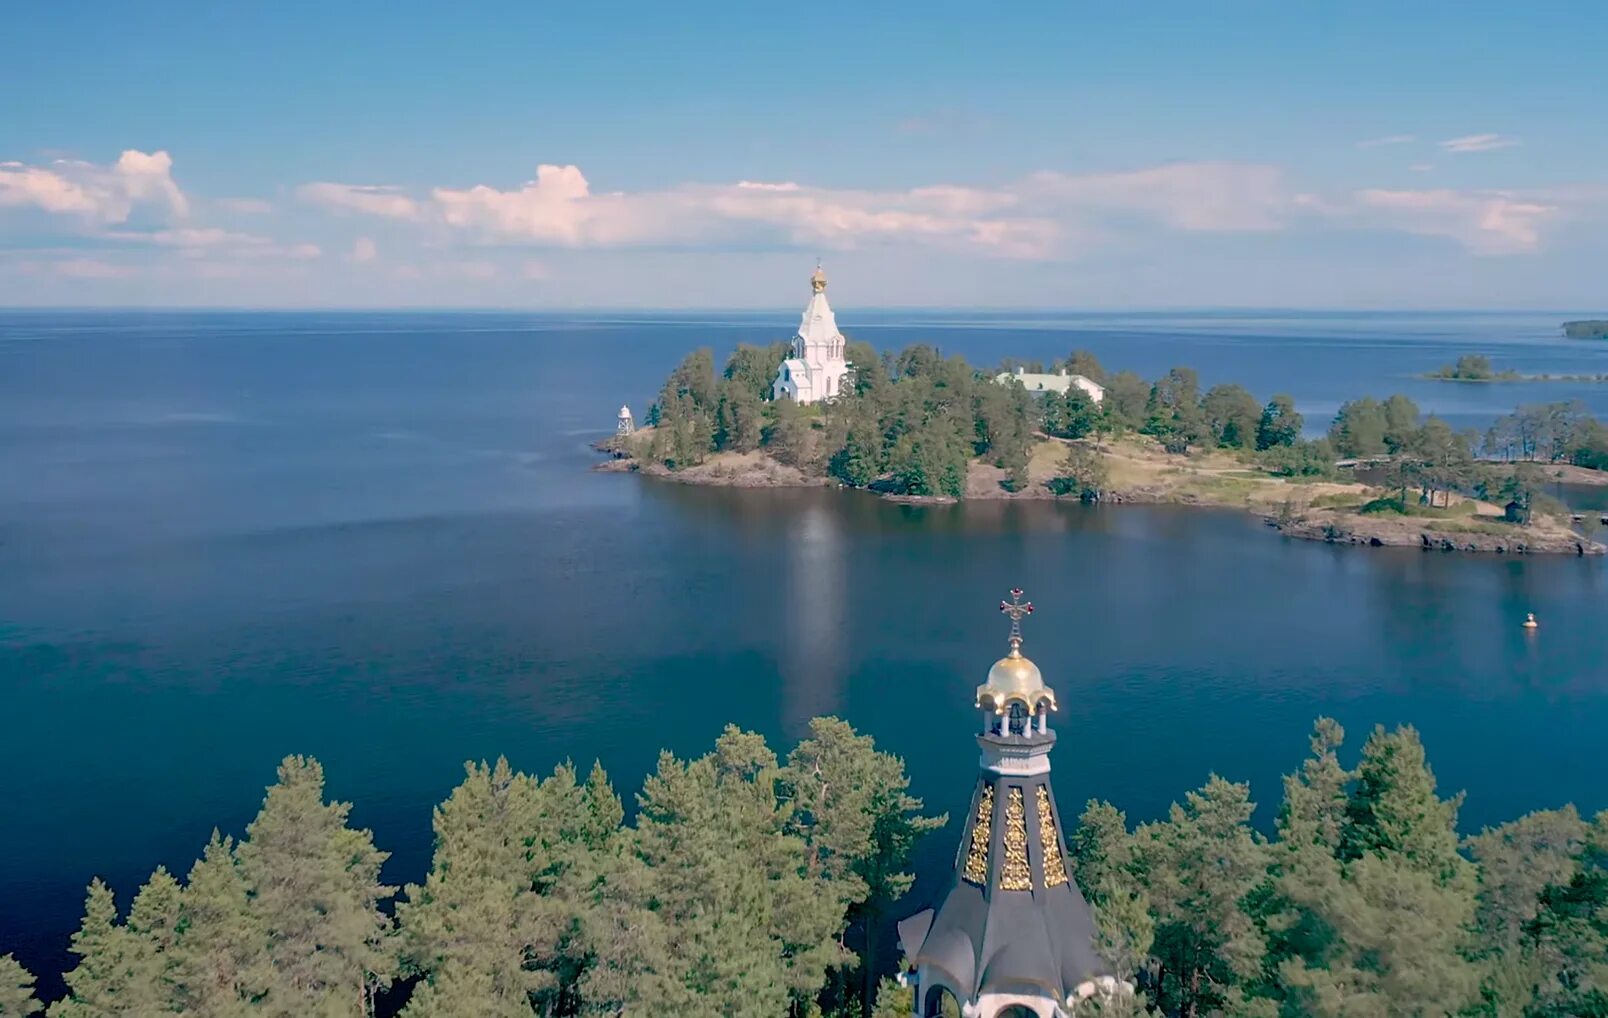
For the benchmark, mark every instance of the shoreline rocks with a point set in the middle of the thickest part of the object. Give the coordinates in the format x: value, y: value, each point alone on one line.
x: 757, y: 470
x: 1387, y: 532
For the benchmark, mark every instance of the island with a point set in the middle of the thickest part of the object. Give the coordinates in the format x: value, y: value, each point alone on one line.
x: 1473, y: 367
x: 1477, y: 368
x: 919, y: 427
x: 1590, y: 328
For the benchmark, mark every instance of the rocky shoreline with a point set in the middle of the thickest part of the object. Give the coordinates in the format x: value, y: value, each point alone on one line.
x: 1331, y: 526
x: 1410, y: 532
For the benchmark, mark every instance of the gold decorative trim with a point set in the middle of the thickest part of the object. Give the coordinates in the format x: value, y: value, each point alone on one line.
x: 1014, y: 874
x: 1054, y: 868
x: 982, y: 830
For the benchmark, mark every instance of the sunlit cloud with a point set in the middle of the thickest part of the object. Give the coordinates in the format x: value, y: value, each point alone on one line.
x: 1478, y: 143
x: 1046, y: 215
x: 374, y: 201
x: 93, y: 193
x: 1487, y: 223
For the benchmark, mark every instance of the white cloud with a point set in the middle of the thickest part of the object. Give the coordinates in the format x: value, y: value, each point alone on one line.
x: 1478, y: 143
x: 946, y: 216
x: 1046, y: 215
x: 1487, y: 223
x: 150, y: 178
x: 389, y: 202
x: 97, y: 194
x: 1389, y: 139
x: 535, y: 271
x: 363, y: 250
x: 28, y: 185
x: 559, y: 208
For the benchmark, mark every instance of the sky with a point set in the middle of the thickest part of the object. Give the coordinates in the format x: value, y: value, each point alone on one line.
x: 691, y: 155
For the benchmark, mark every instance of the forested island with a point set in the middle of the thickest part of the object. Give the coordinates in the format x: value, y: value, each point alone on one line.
x: 1591, y: 328
x: 1477, y: 368
x: 750, y: 885
x: 919, y: 426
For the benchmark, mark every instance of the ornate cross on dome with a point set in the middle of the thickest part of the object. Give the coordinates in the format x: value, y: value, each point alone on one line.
x: 1016, y: 608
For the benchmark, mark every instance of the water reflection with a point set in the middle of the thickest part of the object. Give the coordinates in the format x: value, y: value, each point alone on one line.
x: 814, y: 614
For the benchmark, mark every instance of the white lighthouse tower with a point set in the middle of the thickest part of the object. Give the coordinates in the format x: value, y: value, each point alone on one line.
x: 625, y: 426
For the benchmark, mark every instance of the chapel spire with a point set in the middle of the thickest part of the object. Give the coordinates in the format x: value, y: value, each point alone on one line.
x: 1013, y: 930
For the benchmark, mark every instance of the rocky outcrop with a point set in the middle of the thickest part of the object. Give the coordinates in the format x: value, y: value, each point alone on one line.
x: 1437, y: 535
x: 727, y: 470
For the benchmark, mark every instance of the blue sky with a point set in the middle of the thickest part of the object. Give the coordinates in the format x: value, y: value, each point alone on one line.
x: 670, y: 155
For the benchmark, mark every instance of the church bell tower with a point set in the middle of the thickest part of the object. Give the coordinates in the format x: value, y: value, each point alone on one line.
x: 1012, y: 935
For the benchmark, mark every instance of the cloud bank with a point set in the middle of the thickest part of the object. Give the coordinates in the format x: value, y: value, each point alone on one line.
x: 128, y: 221
x: 1046, y: 215
x: 97, y: 194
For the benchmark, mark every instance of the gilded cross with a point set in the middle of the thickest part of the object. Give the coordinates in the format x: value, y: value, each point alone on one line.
x: 1016, y: 608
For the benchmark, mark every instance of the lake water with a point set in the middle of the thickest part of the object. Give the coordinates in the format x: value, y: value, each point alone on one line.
x: 225, y: 537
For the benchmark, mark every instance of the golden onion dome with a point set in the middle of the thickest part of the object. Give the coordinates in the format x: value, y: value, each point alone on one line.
x: 1014, y: 678
x: 818, y: 279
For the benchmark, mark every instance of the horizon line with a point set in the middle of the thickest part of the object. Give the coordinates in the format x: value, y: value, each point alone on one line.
x: 788, y: 309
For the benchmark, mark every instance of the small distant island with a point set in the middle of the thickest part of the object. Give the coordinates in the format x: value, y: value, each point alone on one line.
x: 1590, y: 328
x: 1477, y: 368
x: 917, y: 426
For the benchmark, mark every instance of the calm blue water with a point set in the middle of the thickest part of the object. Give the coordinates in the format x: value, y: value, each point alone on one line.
x: 225, y: 537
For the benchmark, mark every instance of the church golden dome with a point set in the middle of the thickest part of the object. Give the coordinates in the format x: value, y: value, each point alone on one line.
x: 1014, y: 678
x: 818, y: 279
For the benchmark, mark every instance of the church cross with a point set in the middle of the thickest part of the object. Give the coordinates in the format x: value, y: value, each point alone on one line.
x: 1016, y: 608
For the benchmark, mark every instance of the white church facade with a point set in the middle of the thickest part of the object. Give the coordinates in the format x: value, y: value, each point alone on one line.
x: 817, y: 370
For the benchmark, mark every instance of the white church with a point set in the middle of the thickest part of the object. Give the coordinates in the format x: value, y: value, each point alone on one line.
x: 816, y: 371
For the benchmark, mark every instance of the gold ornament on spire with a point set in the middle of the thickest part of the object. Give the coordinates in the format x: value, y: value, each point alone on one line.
x: 1054, y: 867
x: 1014, y: 874
x: 818, y: 279
x: 982, y: 830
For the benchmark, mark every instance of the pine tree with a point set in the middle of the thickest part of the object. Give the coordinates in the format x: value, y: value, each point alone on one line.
x: 17, y: 999
x: 101, y: 982
x: 1375, y: 916
x: 315, y: 887
x: 475, y: 927
x: 1200, y: 866
x: 1566, y: 944
x: 1101, y: 851
x: 1394, y: 810
x: 154, y: 957
x: 858, y: 462
x: 852, y: 807
x: 751, y: 933
x: 1280, y: 424
x: 893, y: 1000
x: 1518, y: 862
x: 222, y: 947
